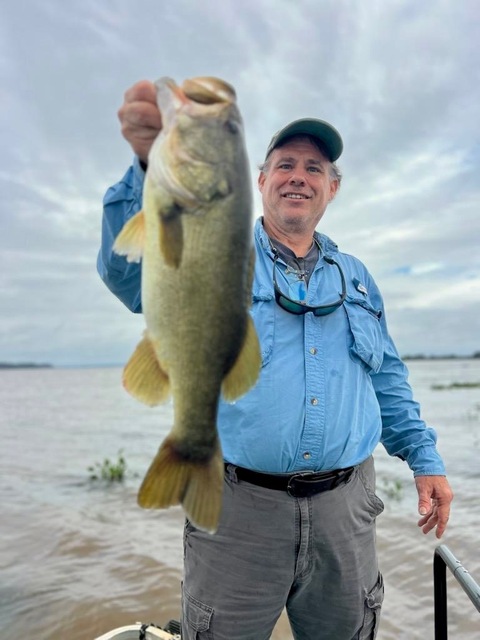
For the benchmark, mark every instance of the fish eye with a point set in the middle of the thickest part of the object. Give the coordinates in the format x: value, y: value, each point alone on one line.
x: 232, y: 127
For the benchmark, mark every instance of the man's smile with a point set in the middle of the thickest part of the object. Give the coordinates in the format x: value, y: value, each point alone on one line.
x: 296, y: 196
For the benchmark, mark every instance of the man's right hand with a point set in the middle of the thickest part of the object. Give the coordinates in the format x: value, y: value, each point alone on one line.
x: 140, y: 118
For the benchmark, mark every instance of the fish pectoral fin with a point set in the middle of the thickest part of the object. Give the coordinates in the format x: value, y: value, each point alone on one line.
x: 130, y: 242
x: 143, y: 377
x: 198, y: 486
x: 171, y: 240
x: 244, y: 373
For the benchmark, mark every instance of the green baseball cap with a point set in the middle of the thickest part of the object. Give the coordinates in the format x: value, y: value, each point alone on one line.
x: 319, y: 129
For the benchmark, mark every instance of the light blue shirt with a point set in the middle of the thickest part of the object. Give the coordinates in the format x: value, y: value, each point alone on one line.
x: 330, y: 388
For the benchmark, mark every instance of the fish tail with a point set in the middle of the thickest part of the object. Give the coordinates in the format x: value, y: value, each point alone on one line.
x: 197, y: 486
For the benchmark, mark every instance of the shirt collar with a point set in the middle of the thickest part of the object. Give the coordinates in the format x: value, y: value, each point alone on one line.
x: 327, y: 246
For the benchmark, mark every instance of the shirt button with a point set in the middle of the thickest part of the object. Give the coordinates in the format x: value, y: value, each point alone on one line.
x: 313, y: 351
x: 307, y: 455
x: 314, y: 401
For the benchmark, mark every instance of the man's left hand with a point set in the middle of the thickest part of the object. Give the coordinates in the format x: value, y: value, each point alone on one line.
x: 434, y: 498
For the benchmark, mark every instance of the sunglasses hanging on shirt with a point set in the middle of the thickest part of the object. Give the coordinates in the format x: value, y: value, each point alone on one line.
x: 299, y: 307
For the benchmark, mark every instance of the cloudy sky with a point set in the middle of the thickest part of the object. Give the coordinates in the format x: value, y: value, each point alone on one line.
x: 399, y: 79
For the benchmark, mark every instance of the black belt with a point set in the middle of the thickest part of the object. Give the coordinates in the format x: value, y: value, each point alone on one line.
x: 298, y: 485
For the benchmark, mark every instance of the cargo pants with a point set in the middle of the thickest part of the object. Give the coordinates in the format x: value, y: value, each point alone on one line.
x: 315, y: 556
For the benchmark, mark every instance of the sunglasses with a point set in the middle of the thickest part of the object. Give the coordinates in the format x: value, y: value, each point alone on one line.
x: 298, y: 307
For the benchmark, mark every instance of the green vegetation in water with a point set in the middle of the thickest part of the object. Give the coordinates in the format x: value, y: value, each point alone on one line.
x: 393, y: 489
x: 109, y: 471
x: 456, y: 385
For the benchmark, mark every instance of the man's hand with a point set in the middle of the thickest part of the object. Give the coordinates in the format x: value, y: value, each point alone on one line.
x: 434, y: 498
x: 140, y: 118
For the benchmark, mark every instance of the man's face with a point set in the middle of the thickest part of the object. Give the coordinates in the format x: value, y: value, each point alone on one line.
x: 297, y: 187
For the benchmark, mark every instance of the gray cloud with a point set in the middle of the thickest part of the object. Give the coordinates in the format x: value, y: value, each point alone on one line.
x: 400, y: 80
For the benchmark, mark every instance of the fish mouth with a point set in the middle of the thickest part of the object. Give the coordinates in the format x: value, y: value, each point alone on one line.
x: 208, y: 90
x: 293, y: 195
x: 202, y: 90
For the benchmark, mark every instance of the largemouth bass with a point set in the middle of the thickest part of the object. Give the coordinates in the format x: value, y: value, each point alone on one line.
x: 194, y: 237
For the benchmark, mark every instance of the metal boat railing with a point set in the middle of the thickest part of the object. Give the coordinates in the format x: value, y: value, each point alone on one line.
x: 442, y: 559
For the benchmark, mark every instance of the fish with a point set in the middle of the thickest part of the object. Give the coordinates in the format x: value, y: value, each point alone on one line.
x: 194, y: 237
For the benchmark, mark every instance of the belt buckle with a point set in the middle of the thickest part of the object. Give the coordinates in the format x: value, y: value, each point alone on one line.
x: 296, y: 476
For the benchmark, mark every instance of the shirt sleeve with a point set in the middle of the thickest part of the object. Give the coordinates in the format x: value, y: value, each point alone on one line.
x: 404, y: 433
x: 120, y: 203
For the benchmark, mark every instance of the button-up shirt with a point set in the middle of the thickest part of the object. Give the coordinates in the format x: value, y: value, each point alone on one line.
x: 330, y: 388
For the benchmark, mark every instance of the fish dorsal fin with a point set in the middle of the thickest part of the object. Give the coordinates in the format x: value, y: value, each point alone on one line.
x: 130, y: 242
x: 244, y: 373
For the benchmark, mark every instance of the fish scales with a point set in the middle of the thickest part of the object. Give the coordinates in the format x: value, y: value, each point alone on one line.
x: 194, y: 235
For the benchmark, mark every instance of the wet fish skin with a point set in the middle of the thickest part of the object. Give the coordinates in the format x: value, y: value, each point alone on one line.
x: 194, y: 235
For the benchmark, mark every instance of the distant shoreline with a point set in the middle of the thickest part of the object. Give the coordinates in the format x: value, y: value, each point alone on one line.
x: 25, y: 365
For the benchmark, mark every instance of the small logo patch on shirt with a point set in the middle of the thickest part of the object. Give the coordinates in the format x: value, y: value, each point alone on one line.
x: 359, y: 286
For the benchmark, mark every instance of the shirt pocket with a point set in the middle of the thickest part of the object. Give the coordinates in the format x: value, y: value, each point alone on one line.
x: 367, y: 340
x: 263, y: 314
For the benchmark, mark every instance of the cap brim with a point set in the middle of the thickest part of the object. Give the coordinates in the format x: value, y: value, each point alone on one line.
x: 319, y: 129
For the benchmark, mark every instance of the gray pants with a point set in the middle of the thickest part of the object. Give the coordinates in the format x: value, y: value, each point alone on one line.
x: 315, y: 556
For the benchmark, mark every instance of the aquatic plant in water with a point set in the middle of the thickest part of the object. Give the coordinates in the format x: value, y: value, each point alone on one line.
x: 109, y: 471
x: 393, y: 489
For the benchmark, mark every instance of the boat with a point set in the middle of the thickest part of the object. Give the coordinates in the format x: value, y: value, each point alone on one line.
x: 443, y: 559
x: 139, y: 631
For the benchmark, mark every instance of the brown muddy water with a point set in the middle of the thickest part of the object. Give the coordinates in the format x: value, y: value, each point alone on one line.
x: 79, y: 558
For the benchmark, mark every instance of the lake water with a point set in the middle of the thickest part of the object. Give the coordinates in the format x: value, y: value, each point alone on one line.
x: 78, y: 558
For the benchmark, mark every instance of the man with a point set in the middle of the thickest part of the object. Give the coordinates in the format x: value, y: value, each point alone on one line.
x: 297, y: 528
